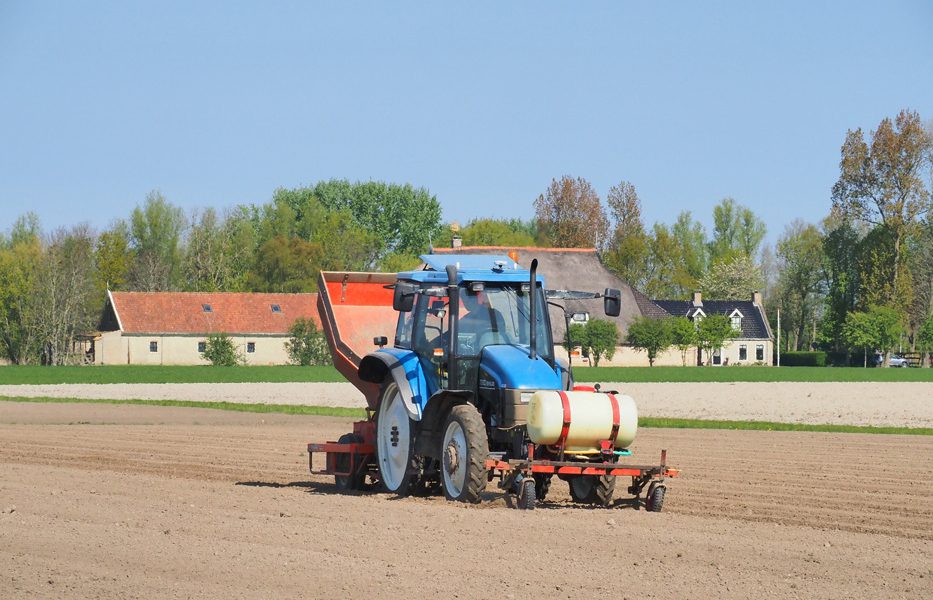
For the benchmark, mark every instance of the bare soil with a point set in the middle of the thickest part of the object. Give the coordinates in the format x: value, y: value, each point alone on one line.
x: 149, y: 502
x: 898, y: 404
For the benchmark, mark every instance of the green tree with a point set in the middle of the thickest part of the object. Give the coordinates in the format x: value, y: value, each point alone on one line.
x: 628, y: 252
x: 650, y: 335
x: 885, y: 183
x: 925, y: 341
x: 576, y: 338
x: 402, y: 218
x: 570, y: 215
x: 712, y: 332
x: 601, y: 338
x: 496, y: 232
x: 889, y: 328
x: 219, y: 252
x: 859, y: 332
x: 683, y: 336
x: 842, y: 277
x: 737, y: 232
x: 286, y: 265
x: 21, y: 254
x: 690, y: 237
x: 800, y: 256
x: 221, y: 351
x: 733, y: 279
x: 156, y: 230
x: 113, y: 258
x: 306, y: 344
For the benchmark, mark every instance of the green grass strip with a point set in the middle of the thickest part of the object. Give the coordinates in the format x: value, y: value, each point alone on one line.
x: 358, y: 413
x: 36, y: 375
x: 288, y: 409
x: 748, y: 374
x: 667, y: 423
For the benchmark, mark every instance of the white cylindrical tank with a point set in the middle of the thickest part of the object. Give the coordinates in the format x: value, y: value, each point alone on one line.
x: 590, y: 419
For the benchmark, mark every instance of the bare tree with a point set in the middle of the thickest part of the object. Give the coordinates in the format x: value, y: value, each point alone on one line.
x: 571, y: 215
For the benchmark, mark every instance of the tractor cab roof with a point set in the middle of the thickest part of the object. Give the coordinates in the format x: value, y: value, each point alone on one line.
x: 470, y: 267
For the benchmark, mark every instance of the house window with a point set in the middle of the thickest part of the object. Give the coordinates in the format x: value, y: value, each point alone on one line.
x: 207, y: 308
x: 717, y: 357
x: 743, y: 352
x: 760, y: 352
x: 202, y: 347
x: 276, y: 308
x: 737, y: 323
x: 250, y: 347
x: 153, y: 346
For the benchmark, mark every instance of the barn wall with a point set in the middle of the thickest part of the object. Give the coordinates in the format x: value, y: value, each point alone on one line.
x: 183, y: 349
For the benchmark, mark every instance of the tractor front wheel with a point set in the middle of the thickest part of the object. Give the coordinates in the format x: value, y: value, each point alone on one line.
x: 399, y: 467
x: 463, y: 454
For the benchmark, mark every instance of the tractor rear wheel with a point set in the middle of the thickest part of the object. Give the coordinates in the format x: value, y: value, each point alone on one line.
x: 399, y: 467
x: 463, y: 454
x: 353, y: 481
x: 592, y: 490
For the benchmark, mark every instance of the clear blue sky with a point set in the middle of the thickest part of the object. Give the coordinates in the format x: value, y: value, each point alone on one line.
x: 220, y: 103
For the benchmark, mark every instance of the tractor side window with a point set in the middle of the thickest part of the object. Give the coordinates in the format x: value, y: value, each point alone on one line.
x: 403, y: 330
x: 431, y: 326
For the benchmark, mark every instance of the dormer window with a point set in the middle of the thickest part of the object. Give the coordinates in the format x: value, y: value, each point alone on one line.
x: 736, y: 318
x: 207, y: 308
x: 276, y: 308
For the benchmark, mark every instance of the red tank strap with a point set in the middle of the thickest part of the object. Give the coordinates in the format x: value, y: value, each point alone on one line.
x: 565, y: 430
x: 616, y: 418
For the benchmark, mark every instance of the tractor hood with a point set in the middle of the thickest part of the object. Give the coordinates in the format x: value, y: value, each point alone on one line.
x: 511, y: 367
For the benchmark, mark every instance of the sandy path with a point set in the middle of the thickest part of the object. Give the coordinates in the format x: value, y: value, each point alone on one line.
x: 903, y: 404
x: 196, y: 503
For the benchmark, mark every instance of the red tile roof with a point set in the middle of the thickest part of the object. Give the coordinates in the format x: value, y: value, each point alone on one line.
x: 183, y: 312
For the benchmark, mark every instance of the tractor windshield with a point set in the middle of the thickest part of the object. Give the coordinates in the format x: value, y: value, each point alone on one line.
x: 500, y: 315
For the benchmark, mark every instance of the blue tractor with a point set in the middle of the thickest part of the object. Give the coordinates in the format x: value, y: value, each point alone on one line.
x: 471, y: 391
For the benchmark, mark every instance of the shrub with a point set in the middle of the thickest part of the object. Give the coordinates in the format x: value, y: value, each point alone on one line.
x: 307, y: 345
x: 803, y: 359
x: 221, y: 351
x: 651, y: 335
x: 600, y: 339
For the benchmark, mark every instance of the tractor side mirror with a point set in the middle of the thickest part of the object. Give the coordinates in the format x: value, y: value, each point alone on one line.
x: 380, y: 341
x: 403, y: 300
x: 612, y: 302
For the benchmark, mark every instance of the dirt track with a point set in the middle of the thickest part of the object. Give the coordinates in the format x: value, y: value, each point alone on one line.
x: 122, y: 501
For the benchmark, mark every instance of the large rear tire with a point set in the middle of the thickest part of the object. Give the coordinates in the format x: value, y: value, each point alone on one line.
x: 399, y: 467
x: 463, y: 454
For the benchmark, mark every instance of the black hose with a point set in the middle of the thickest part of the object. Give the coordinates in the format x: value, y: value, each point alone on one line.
x: 533, y: 338
x: 453, y: 298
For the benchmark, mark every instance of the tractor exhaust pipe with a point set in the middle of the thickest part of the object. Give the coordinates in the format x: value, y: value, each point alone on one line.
x: 453, y: 299
x: 533, y: 338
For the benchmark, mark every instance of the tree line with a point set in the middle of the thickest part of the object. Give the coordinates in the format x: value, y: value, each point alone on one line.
x: 53, y: 285
x: 873, y: 251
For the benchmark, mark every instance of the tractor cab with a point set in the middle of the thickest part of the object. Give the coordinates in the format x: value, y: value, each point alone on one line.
x: 483, y: 315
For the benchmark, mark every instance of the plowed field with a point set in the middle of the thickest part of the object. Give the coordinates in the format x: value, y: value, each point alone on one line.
x: 102, y: 501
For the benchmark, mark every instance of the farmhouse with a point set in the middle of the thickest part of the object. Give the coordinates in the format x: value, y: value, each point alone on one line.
x: 754, y: 345
x: 581, y: 269
x: 171, y: 328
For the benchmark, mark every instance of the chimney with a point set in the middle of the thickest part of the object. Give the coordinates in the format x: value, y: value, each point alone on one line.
x: 697, y: 299
x: 756, y: 298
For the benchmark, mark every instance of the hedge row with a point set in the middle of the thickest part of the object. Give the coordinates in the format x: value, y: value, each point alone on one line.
x: 803, y: 359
